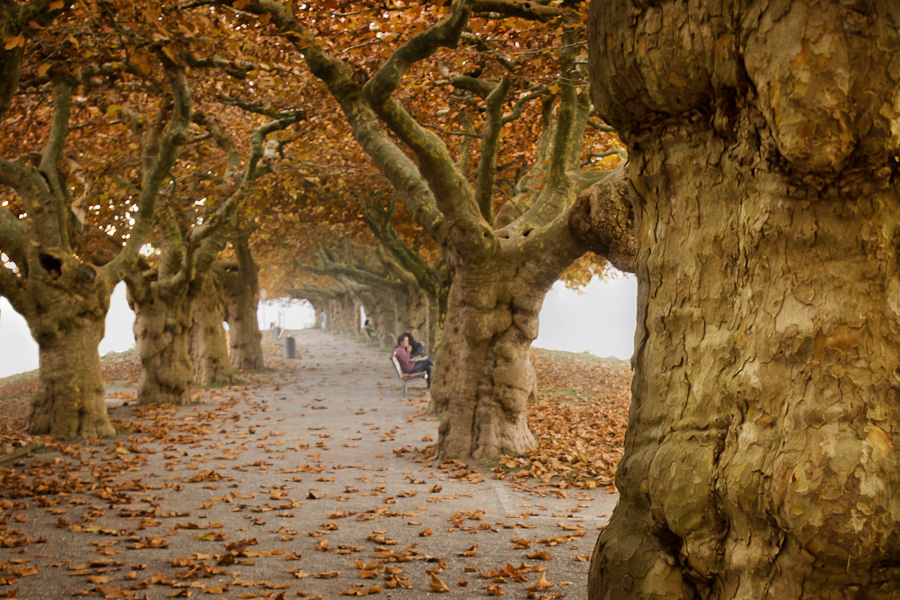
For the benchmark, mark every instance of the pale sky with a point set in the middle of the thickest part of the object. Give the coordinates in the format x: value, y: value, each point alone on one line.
x: 600, y: 319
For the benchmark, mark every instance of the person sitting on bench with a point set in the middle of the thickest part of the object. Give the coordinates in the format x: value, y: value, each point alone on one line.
x: 412, y: 365
x: 418, y: 348
x: 370, y: 329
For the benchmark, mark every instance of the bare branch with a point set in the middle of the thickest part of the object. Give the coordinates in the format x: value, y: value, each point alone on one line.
x: 260, y: 109
x: 490, y: 145
x: 600, y: 126
x: 56, y: 206
x: 479, y: 87
x: 337, y: 75
x: 210, y: 238
x: 465, y: 134
x: 435, y: 163
x: 519, y: 106
x: 526, y: 9
x: 157, y: 170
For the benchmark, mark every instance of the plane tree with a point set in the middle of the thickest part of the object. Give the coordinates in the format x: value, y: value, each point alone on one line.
x: 502, y: 260
x: 423, y: 271
x: 58, y: 270
x: 178, y: 292
x: 762, y: 453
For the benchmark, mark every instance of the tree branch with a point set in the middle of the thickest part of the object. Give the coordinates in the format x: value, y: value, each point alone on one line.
x: 379, y: 222
x: 600, y: 126
x: 207, y: 240
x: 29, y: 186
x: 157, y: 170
x: 56, y: 206
x: 564, y: 146
x: 16, y: 21
x: 10, y: 289
x: 522, y: 101
x: 312, y: 293
x: 362, y: 276
x: 435, y: 162
x: 12, y: 236
x: 223, y: 140
x: 389, y: 158
x: 526, y: 9
x: 490, y: 146
x: 603, y: 219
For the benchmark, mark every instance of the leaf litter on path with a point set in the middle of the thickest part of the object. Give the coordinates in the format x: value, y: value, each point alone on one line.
x: 239, y: 496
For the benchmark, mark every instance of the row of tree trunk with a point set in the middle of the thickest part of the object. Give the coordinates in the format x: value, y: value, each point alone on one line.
x: 390, y: 312
x: 179, y: 336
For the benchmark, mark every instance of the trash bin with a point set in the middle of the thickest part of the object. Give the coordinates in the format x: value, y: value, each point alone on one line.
x: 289, y: 347
x: 276, y: 331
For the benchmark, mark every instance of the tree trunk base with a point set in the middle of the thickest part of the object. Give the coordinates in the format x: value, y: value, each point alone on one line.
x: 70, y: 401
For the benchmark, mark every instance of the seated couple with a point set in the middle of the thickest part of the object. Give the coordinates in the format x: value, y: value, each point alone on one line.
x: 409, y: 364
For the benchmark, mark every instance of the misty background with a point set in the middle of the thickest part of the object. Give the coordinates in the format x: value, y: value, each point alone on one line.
x: 598, y: 319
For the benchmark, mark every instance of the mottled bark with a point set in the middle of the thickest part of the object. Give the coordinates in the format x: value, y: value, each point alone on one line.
x: 762, y: 457
x: 484, y: 379
x: 342, y: 313
x: 244, y: 336
x: 68, y: 325
x: 208, y: 343
x: 380, y: 310
x: 484, y: 373
x: 162, y: 322
x: 240, y: 284
x: 603, y: 219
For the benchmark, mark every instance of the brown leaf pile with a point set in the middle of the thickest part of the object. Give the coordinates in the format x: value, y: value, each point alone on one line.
x: 15, y: 407
x: 579, y: 422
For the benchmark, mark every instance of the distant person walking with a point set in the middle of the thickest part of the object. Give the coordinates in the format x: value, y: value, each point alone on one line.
x: 322, y: 319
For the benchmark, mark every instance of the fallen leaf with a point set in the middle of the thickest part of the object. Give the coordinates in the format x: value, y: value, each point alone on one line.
x: 437, y: 585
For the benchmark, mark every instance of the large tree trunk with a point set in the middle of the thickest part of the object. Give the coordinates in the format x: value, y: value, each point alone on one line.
x: 244, y: 336
x: 240, y: 284
x: 484, y: 379
x: 763, y: 451
x: 68, y: 326
x: 436, y: 306
x: 208, y: 344
x: 162, y: 322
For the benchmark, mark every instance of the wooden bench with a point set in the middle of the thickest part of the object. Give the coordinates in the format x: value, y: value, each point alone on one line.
x: 406, y: 378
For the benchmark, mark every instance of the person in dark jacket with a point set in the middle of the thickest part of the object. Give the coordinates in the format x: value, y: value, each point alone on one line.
x: 418, y: 348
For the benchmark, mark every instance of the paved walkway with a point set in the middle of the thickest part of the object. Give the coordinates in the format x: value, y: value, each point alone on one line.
x: 306, y: 482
